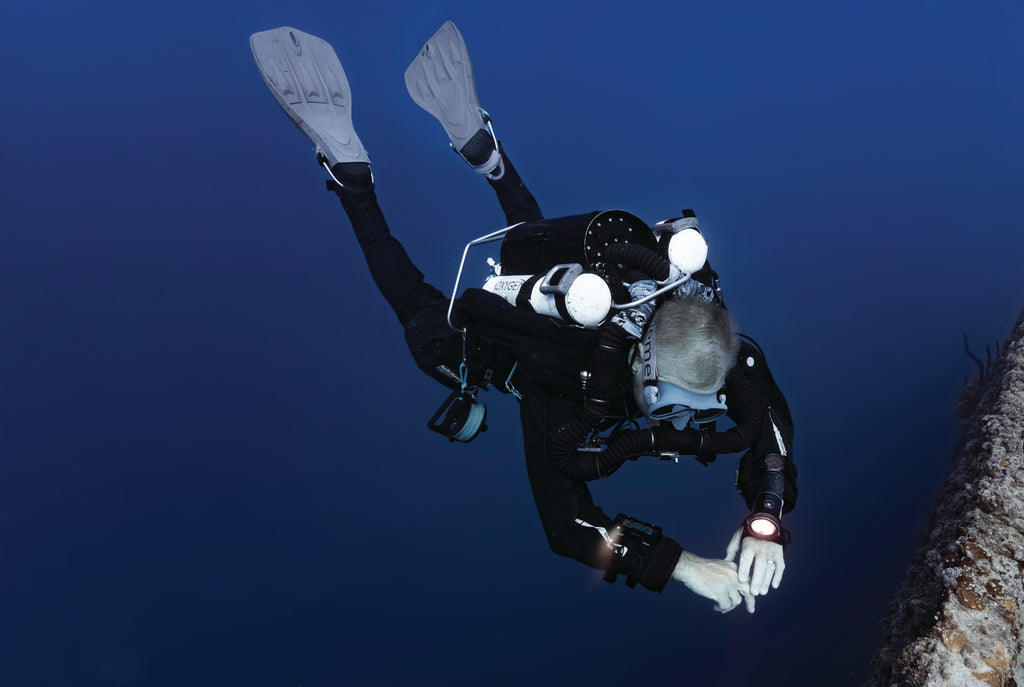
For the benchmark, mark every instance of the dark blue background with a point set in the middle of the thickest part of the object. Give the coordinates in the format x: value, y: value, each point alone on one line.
x: 214, y: 466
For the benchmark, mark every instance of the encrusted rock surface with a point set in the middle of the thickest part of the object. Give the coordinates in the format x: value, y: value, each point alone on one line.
x: 957, y: 619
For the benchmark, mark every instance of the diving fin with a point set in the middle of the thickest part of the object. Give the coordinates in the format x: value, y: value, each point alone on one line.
x: 440, y: 80
x: 305, y: 76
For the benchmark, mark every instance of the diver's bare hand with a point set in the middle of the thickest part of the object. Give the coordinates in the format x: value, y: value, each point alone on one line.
x: 761, y: 562
x: 714, y: 579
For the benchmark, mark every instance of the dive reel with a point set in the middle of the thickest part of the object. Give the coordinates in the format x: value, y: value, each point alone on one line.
x: 463, y: 416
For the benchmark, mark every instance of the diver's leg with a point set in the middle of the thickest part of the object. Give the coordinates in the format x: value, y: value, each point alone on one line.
x: 440, y: 80
x: 574, y: 525
x: 307, y: 80
x: 421, y: 308
x: 516, y: 200
x: 399, y: 280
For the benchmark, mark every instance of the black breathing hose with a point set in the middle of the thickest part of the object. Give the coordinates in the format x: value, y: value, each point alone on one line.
x: 642, y: 258
x: 607, y: 366
x: 611, y: 354
x: 588, y: 465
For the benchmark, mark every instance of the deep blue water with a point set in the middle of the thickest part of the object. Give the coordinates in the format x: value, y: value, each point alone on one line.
x: 214, y: 467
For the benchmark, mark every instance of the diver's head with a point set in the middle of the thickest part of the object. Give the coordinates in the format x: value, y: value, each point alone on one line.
x: 683, y: 359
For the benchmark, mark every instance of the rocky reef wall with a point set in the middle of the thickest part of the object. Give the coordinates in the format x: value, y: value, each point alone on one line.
x: 957, y: 618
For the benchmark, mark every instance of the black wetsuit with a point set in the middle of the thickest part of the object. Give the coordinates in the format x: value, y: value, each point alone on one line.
x: 549, y: 356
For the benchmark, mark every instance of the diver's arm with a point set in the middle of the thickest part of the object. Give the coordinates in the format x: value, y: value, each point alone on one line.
x: 767, y: 481
x: 774, y: 436
x: 575, y: 527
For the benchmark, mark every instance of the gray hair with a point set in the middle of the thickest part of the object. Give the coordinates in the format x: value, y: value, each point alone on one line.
x: 697, y: 343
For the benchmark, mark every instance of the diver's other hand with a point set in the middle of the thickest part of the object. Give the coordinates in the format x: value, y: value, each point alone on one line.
x: 713, y: 579
x: 761, y: 562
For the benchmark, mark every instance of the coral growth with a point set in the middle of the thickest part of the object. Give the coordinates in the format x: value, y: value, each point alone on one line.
x: 957, y: 618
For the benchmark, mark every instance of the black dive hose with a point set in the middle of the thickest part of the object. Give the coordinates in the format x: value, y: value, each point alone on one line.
x: 607, y: 365
x: 733, y: 440
x: 642, y: 258
x: 589, y: 465
x: 611, y: 354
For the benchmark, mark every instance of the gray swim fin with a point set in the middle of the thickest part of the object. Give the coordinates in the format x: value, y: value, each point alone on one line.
x: 440, y: 80
x: 305, y: 76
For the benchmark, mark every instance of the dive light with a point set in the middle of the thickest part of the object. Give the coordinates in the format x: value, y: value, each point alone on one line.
x: 765, y: 519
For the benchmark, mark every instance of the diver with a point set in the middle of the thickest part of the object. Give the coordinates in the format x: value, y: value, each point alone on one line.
x: 612, y: 335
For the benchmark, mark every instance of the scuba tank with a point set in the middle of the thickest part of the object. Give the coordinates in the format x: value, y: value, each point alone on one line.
x: 681, y: 242
x: 564, y: 291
